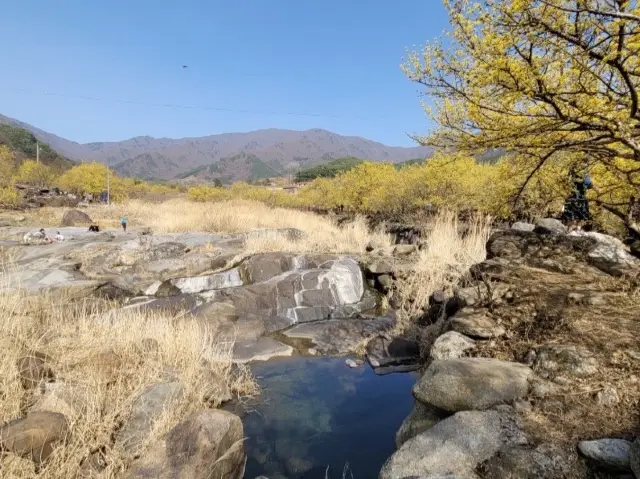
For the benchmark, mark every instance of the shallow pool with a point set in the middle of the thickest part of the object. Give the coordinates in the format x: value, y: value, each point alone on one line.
x: 317, y: 413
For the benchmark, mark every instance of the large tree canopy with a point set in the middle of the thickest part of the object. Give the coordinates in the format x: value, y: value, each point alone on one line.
x: 549, y: 80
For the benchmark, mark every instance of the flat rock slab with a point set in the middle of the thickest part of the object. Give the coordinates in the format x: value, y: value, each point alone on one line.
x: 454, y: 447
x: 472, y: 383
x: 261, y: 349
x: 608, y: 453
x: 34, y: 436
x: 634, y: 457
x: 476, y: 324
x: 337, y: 336
x: 566, y: 360
x: 387, y: 351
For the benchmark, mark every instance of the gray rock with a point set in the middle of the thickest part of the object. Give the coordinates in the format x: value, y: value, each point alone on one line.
x: 33, y: 368
x: 75, y: 218
x: 354, y: 363
x: 383, y: 352
x: 472, y: 383
x: 634, y: 457
x: 608, y: 453
x: 261, y: 349
x: 519, y: 462
x: 208, y: 444
x: 196, y: 284
x: 559, y: 359
x: 454, y: 447
x: 476, y: 323
x: 71, y: 400
x: 421, y: 418
x: 404, y: 249
x: 384, y: 282
x: 479, y: 294
x: 451, y: 345
x: 607, y: 397
x: 380, y: 266
x: 610, y: 254
x: 336, y: 336
x: 34, y: 436
x: 521, y: 226
x: 147, y: 408
x: 550, y: 226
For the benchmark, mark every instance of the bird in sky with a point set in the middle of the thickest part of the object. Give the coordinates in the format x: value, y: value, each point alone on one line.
x: 184, y: 66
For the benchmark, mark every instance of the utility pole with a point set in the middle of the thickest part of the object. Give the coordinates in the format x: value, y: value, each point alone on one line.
x: 37, y: 152
x: 108, y: 186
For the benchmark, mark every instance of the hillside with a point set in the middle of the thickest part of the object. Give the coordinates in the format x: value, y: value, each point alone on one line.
x: 328, y: 170
x: 22, y: 144
x: 245, y: 155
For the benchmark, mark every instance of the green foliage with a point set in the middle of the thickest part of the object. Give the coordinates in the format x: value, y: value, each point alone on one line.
x: 23, y: 144
x: 328, y: 170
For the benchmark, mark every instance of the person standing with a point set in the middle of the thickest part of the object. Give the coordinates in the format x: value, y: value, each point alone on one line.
x: 576, y: 207
x: 123, y: 222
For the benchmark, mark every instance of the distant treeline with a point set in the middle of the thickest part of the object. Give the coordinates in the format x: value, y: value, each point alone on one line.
x: 340, y: 165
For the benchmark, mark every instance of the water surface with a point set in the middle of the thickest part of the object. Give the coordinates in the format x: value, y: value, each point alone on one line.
x: 315, y: 413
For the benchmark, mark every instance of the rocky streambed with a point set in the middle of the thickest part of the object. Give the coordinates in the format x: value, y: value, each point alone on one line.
x: 531, y: 366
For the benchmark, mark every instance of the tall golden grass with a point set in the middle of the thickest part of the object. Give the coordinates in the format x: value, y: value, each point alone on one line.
x: 106, y: 365
x: 321, y: 234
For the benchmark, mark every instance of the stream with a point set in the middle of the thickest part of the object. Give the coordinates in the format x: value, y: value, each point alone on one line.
x: 317, y: 418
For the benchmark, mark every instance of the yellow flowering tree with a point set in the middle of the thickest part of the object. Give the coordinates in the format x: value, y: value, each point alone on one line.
x: 542, y: 79
x: 91, y: 178
x: 35, y: 174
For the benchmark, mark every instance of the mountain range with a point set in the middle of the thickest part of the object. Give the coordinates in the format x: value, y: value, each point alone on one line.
x: 227, y: 156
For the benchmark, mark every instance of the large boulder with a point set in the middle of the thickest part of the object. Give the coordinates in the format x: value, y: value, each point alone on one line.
x: 608, y: 453
x: 146, y: 409
x: 610, y: 254
x: 454, y: 447
x: 75, y: 218
x: 208, y: 444
x: 550, y: 226
x: 421, y: 418
x: 472, y: 383
x: 34, y: 436
x: 451, y: 345
x: 564, y: 359
x: 33, y: 368
x: 388, y: 354
x: 476, y: 323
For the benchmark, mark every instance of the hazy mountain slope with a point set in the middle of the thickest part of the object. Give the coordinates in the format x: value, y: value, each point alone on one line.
x: 22, y: 144
x: 166, y: 158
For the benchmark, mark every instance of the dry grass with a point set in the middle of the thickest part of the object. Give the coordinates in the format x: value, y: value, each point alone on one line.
x: 547, y: 310
x: 106, y: 365
x: 181, y: 215
x: 445, y: 260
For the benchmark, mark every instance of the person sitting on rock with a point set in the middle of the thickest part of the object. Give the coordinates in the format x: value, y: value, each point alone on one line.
x: 59, y: 237
x: 576, y: 207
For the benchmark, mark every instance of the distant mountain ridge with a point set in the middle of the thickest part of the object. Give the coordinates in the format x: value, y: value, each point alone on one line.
x: 228, y: 156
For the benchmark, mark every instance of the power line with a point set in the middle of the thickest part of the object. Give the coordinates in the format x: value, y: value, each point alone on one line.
x: 196, y: 107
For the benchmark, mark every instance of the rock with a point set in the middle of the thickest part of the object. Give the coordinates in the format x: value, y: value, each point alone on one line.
x: 354, y: 363
x: 634, y: 457
x: 70, y: 400
x: 541, y: 388
x: 147, y: 408
x: 451, y: 345
x: 196, y: 284
x: 16, y: 466
x: 608, y: 453
x: 34, y: 436
x: 380, y: 266
x: 421, y: 418
x: 76, y: 218
x: 404, y: 249
x: 558, y: 359
x: 32, y: 369
x: 521, y: 226
x: 261, y: 349
x: 607, y: 397
x: 476, y: 323
x: 208, y: 444
x: 382, y: 352
x: 336, y: 336
x: 472, y: 383
x: 384, y: 282
x: 520, y: 462
x: 478, y: 294
x: 550, y: 226
x: 609, y: 254
x: 454, y: 447
x: 93, y: 465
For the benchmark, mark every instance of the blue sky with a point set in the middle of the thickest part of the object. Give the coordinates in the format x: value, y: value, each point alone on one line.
x: 338, y: 59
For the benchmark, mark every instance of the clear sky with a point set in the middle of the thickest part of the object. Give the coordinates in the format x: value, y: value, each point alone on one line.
x: 338, y: 59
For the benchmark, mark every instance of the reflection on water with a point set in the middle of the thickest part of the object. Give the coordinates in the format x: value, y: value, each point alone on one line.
x: 315, y: 413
